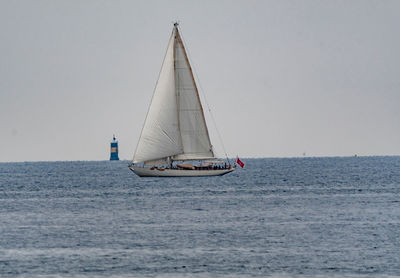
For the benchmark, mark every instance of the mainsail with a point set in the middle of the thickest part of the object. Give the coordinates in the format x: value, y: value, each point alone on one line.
x: 175, y: 126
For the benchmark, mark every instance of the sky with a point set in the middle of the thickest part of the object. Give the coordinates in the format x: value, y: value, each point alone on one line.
x: 282, y: 78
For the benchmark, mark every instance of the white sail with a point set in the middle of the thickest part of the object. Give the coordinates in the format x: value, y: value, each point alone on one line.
x: 195, y: 139
x: 160, y: 135
x: 175, y: 125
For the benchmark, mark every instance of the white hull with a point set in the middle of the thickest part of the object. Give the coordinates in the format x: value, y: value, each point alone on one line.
x: 148, y: 172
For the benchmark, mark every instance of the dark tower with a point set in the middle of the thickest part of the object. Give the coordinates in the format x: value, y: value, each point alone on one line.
x: 114, y: 149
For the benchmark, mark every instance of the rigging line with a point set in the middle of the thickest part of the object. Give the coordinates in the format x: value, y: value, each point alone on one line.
x: 205, y: 99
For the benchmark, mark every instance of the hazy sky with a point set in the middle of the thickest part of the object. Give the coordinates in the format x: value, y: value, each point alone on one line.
x: 282, y: 78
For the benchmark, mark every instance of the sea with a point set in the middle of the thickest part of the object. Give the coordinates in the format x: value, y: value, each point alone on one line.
x: 277, y: 217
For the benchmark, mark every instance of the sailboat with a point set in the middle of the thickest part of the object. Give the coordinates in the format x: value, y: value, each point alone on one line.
x: 174, y: 141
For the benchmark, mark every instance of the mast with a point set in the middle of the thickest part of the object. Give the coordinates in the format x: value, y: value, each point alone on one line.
x: 176, y: 33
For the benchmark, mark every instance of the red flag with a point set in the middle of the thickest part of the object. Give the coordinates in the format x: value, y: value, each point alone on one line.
x: 238, y: 161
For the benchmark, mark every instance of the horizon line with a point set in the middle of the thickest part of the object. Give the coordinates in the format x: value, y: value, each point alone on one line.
x: 242, y: 157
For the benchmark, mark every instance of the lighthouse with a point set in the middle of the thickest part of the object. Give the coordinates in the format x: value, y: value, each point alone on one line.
x: 114, y: 149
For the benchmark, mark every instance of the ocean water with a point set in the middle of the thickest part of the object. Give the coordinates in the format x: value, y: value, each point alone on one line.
x: 301, y: 217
